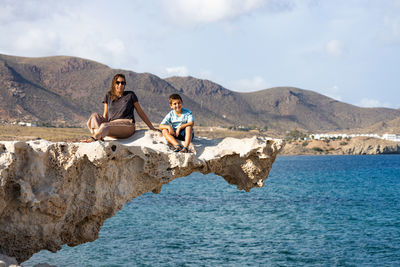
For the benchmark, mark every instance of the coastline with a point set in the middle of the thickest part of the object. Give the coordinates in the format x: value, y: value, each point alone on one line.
x: 353, y: 146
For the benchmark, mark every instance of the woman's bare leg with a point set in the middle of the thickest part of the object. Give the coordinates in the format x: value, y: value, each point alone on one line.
x: 122, y: 128
x: 94, y: 122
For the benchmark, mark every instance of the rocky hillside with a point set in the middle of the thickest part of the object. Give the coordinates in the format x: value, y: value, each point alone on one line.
x: 353, y: 146
x: 312, y: 111
x: 282, y: 107
x: 67, y: 89
x: 384, y: 126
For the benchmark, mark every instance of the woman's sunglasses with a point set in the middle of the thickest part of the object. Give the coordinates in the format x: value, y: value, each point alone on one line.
x: 118, y: 82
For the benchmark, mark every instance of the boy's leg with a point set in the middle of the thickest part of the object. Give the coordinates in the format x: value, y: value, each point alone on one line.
x: 188, y: 135
x: 170, y: 138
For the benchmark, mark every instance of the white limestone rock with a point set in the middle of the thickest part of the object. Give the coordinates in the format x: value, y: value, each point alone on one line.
x: 53, y: 194
x: 6, y: 261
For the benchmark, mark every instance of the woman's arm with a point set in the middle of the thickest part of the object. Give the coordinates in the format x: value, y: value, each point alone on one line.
x: 105, y: 112
x: 143, y: 115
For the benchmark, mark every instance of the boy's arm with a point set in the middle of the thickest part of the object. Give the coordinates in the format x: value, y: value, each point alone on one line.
x: 167, y: 127
x: 166, y: 124
x: 190, y: 123
x: 183, y: 126
x: 190, y: 120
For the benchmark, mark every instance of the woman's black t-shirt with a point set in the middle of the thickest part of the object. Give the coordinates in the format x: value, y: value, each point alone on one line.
x: 122, y: 107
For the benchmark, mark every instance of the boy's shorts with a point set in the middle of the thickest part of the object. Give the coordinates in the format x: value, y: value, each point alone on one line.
x: 181, y: 135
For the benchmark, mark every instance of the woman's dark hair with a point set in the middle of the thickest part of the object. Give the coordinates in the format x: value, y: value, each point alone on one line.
x: 112, y: 89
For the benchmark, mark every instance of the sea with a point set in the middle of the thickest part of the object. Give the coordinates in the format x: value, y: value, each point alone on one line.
x: 312, y: 211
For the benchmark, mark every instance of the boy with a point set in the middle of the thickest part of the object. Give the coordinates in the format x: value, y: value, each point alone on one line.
x: 178, y: 124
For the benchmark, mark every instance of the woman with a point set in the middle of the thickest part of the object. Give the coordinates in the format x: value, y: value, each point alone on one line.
x: 118, y: 118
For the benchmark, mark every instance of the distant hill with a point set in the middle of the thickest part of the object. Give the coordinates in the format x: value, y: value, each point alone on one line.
x: 382, y: 127
x: 229, y: 105
x: 309, y: 110
x: 281, y: 107
x: 67, y: 89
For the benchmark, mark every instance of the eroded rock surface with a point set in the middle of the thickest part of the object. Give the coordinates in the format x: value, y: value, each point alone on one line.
x: 355, y: 146
x: 53, y: 194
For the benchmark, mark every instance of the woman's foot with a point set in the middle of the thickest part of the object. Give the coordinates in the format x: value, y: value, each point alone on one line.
x: 90, y: 140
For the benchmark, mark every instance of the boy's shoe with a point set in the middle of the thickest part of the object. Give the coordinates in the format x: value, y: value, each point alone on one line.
x: 184, y: 150
x: 178, y: 148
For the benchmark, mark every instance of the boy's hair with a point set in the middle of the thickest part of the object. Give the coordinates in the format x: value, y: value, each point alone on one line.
x: 174, y: 97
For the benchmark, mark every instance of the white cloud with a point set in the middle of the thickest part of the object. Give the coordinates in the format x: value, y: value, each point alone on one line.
x: 6, y: 13
x: 37, y: 41
x: 69, y: 29
x: 12, y: 11
x: 391, y: 32
x: 334, y: 48
x: 206, y: 74
x: 373, y: 103
x: 248, y: 85
x: 333, y: 92
x: 233, y: 38
x: 116, y: 46
x: 177, y: 71
x: 205, y: 11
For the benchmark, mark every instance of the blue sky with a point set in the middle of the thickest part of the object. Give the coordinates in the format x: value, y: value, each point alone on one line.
x: 346, y: 49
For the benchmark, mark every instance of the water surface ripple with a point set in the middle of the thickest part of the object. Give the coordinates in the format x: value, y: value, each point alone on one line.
x: 313, y: 211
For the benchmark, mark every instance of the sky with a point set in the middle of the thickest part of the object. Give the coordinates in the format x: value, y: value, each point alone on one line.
x: 345, y: 49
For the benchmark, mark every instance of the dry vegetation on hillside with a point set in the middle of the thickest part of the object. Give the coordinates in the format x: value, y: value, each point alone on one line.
x: 66, y: 90
x: 23, y: 133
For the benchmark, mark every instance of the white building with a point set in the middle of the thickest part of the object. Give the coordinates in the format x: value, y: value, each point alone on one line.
x: 391, y: 137
x: 29, y: 124
x: 328, y: 136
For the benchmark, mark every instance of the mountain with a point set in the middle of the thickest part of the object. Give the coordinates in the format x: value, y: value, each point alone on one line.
x: 382, y: 127
x: 65, y: 90
x: 281, y: 107
x: 310, y: 110
x: 229, y: 105
x: 68, y: 89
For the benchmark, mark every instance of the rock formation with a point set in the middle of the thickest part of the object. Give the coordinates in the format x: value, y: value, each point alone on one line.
x: 6, y: 261
x: 371, y: 146
x: 53, y: 194
x: 354, y: 146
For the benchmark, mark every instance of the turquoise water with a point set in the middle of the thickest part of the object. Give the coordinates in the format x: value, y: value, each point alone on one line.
x: 313, y: 211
